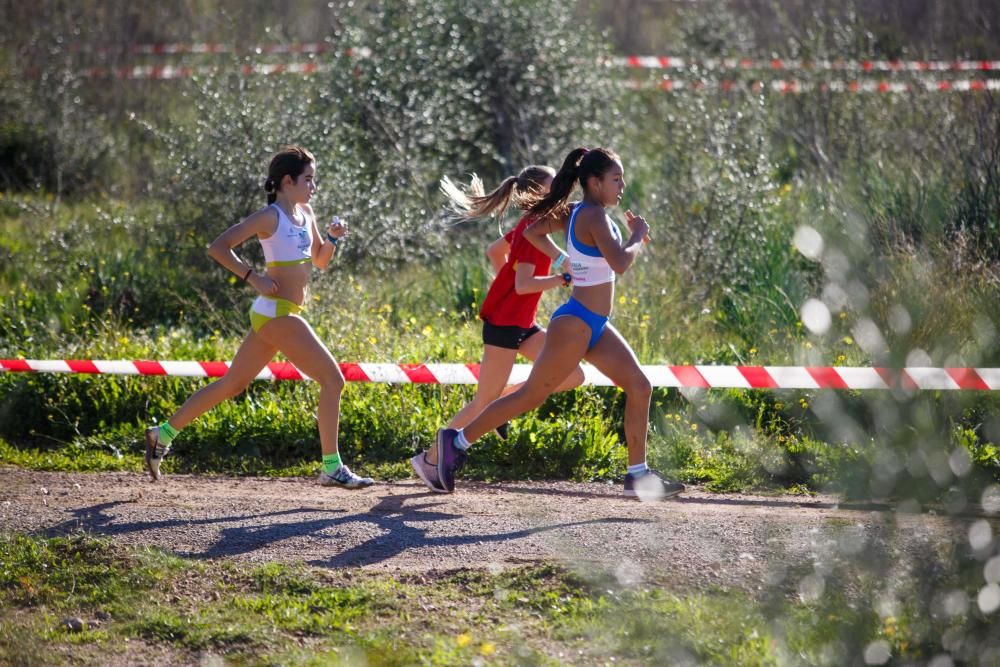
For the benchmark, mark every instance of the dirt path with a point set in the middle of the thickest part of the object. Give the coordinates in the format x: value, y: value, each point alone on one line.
x: 699, y: 538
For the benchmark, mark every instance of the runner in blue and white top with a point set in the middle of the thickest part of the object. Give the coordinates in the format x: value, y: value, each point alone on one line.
x: 579, y: 329
x: 586, y: 262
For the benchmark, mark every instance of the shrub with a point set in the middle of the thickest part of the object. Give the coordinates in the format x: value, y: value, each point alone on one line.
x: 439, y: 94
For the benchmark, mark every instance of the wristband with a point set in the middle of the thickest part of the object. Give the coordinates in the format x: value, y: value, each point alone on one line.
x: 249, y: 271
x: 567, y: 279
x: 332, y: 239
x: 557, y: 262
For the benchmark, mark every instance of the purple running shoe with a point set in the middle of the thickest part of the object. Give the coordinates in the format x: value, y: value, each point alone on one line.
x: 427, y: 472
x: 503, y: 430
x: 450, y: 458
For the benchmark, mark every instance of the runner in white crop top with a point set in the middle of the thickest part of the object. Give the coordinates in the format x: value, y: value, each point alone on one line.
x: 586, y: 262
x: 290, y: 243
x: 276, y: 322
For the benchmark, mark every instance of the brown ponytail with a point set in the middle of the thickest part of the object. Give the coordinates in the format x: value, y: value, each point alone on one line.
x: 517, y: 190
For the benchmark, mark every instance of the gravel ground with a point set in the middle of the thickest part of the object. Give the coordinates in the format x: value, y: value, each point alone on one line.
x: 697, y: 539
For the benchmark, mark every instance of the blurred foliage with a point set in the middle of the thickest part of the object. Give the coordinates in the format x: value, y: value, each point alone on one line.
x: 50, y: 140
x: 439, y: 89
x: 904, y: 267
x: 812, y: 229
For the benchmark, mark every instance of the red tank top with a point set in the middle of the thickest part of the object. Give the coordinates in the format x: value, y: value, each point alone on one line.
x: 503, y: 306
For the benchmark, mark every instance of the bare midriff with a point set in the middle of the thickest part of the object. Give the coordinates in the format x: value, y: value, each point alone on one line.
x: 293, y: 281
x: 596, y: 298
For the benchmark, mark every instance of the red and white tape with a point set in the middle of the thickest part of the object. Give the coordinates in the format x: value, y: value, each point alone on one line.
x: 217, y: 47
x: 793, y: 86
x: 169, y: 72
x: 739, y: 377
x: 158, y: 72
x: 632, y: 61
x: 782, y: 64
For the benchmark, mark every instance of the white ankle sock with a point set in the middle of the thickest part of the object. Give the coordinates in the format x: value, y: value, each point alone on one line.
x: 638, y: 469
x: 460, y: 440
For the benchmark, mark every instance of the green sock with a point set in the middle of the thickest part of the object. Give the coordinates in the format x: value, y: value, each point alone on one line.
x: 331, y: 462
x: 167, y: 433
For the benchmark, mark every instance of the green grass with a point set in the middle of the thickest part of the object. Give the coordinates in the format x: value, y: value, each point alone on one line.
x: 63, y: 574
x: 69, y: 459
x: 294, y: 614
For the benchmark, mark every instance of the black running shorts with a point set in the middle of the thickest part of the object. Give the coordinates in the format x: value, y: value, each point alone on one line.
x: 507, y: 337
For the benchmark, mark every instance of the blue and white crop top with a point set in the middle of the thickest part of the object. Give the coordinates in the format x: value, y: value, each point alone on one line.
x: 586, y: 262
x: 290, y: 243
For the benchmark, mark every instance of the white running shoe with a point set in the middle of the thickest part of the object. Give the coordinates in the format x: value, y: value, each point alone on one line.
x: 651, y: 485
x: 345, y: 479
x: 155, y: 451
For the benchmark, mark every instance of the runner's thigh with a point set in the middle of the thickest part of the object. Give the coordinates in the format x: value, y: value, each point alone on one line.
x: 293, y: 336
x: 613, y: 357
x: 565, y: 345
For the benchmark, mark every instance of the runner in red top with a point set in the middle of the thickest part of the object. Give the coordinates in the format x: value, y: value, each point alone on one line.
x: 503, y: 305
x: 508, y: 312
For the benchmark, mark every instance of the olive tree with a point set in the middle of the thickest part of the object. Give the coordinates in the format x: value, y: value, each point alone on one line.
x: 414, y: 91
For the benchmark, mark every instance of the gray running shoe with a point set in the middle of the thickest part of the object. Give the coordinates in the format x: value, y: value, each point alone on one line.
x: 345, y: 479
x: 651, y: 485
x: 155, y: 451
x: 427, y: 472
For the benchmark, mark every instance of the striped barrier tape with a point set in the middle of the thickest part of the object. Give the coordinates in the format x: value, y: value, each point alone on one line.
x: 164, y: 72
x: 199, y: 48
x: 170, y: 72
x: 782, y: 64
x: 631, y: 61
x: 738, y: 377
x: 793, y: 86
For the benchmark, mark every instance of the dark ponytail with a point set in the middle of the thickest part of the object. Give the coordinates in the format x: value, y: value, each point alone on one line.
x: 562, y: 185
x: 578, y: 166
x: 289, y: 161
x: 270, y: 190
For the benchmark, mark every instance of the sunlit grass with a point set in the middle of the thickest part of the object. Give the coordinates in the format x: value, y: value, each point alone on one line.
x: 540, y: 614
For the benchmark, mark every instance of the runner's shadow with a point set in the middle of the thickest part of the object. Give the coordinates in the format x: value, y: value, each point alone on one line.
x: 399, y: 536
x: 95, y: 519
x: 399, y: 525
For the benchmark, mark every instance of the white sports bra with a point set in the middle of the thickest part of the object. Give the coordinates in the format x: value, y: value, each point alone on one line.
x: 586, y: 262
x: 290, y: 243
